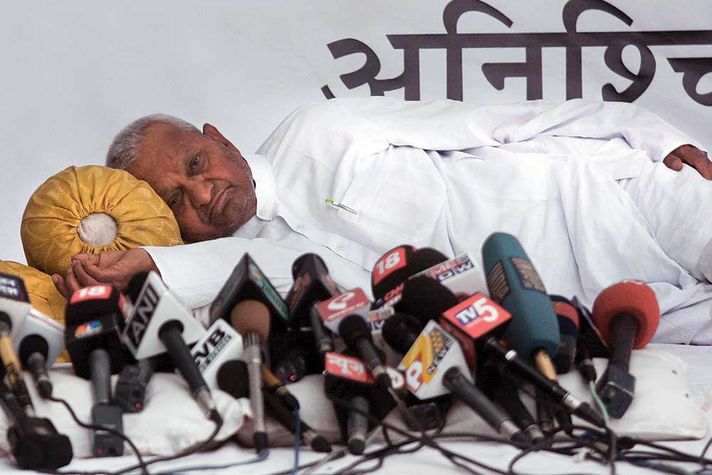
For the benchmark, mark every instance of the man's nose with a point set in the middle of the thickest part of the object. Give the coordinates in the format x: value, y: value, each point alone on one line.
x: 200, y: 193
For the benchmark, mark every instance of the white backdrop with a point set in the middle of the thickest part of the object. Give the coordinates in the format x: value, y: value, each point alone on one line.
x: 74, y: 72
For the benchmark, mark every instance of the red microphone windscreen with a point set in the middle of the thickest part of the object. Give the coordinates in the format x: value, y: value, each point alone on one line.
x: 627, y: 297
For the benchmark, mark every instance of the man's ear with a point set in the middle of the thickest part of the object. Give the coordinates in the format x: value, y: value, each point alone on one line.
x: 213, y: 132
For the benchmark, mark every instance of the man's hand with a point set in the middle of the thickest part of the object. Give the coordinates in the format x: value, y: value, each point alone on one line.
x: 111, y: 268
x: 692, y: 156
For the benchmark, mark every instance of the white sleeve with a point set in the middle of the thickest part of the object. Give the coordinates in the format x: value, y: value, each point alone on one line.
x: 453, y: 125
x: 640, y: 128
x: 196, y: 272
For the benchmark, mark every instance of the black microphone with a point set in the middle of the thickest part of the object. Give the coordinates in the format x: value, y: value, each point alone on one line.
x: 357, y: 336
x: 627, y: 315
x: 158, y: 323
x: 34, y: 442
x: 131, y: 388
x: 435, y: 364
x: 312, y: 283
x: 474, y: 322
x: 499, y: 385
x: 348, y: 383
x: 96, y: 352
x: 568, y: 319
x: 233, y: 379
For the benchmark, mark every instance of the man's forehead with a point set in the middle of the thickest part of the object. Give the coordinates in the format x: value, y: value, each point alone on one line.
x: 166, y: 140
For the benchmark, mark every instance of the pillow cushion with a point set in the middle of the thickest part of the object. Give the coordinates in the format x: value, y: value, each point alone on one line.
x: 92, y: 209
x: 40, y: 289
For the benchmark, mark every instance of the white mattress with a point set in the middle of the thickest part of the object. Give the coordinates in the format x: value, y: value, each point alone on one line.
x: 425, y: 460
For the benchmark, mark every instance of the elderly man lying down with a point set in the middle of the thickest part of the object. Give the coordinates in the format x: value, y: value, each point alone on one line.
x: 595, y: 192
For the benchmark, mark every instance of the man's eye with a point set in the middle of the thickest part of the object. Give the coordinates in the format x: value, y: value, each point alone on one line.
x: 173, y: 202
x: 194, y: 164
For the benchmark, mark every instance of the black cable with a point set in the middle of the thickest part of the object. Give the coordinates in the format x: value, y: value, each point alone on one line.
x: 141, y: 463
x: 183, y: 453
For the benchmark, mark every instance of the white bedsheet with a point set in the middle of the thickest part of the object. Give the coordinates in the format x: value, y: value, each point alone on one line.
x: 425, y: 460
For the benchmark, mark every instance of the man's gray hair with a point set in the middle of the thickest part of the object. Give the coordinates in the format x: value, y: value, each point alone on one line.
x: 124, y: 148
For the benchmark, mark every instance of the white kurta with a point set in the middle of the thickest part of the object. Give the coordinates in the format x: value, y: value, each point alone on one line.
x: 446, y: 174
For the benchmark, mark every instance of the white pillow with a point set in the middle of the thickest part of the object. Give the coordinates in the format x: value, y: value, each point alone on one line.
x: 170, y: 422
x: 662, y: 409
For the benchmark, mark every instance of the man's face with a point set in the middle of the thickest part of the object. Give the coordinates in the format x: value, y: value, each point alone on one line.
x: 202, y: 177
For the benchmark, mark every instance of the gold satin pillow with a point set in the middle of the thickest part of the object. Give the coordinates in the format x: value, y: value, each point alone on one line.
x: 92, y: 209
x: 40, y: 288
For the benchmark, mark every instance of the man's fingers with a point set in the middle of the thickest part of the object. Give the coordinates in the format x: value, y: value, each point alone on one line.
x: 673, y: 162
x: 86, y: 258
x: 61, y: 287
x: 83, y: 277
x: 71, y: 282
x: 697, y: 159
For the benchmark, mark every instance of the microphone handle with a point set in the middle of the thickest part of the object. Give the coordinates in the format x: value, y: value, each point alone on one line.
x: 507, y: 394
x: 367, y: 352
x: 285, y: 417
x: 552, y: 388
x: 100, y: 367
x: 12, y: 408
x: 357, y: 425
x: 624, y: 328
x: 171, y: 334
x: 470, y: 394
x: 253, y: 358
x: 37, y: 365
x: 324, y: 342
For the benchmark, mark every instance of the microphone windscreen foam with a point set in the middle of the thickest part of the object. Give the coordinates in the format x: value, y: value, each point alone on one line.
x: 627, y: 297
x: 566, y: 314
x: 353, y: 328
x: 425, y: 298
x: 32, y: 344
x: 133, y: 288
x: 390, y: 270
x: 400, y: 331
x: 233, y: 379
x: 251, y: 316
x: 514, y: 283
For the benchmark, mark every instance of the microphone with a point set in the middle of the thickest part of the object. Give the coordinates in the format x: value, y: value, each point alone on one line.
x: 248, y: 282
x: 158, y: 323
x: 498, y: 384
x: 430, y: 300
x: 96, y: 352
x: 219, y: 344
x: 461, y: 274
x: 312, y: 283
x: 627, y: 315
x: 390, y: 270
x: 132, y: 385
x: 11, y: 364
x: 514, y: 283
x: 568, y: 319
x: 252, y: 320
x: 34, y: 442
x: 232, y: 378
x: 37, y: 339
x: 347, y: 379
x: 435, y: 365
x: 346, y: 316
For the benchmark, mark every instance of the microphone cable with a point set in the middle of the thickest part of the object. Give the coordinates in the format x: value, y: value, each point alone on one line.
x: 141, y: 463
